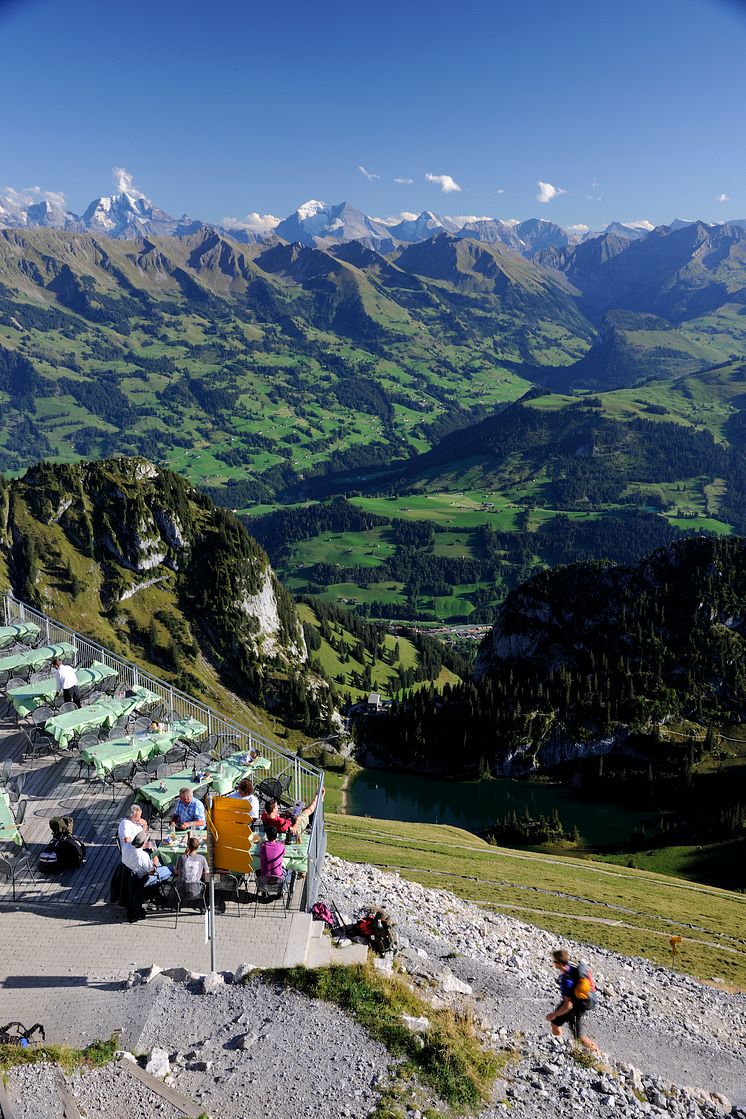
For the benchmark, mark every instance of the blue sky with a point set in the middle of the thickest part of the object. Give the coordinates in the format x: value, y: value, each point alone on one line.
x: 634, y: 110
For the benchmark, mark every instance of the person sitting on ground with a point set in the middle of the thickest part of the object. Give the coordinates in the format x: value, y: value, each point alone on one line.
x: 131, y: 824
x: 271, y: 854
x: 245, y: 791
x: 142, y: 864
x: 294, y: 822
x: 66, y: 679
x: 576, y: 998
x: 189, y: 812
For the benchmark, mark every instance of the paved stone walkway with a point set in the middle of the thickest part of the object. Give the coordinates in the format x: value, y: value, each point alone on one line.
x: 51, y: 955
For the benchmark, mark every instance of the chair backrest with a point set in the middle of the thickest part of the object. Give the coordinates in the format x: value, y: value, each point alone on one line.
x: 41, y: 714
x: 154, y: 764
x: 21, y: 811
x: 4, y: 676
x: 93, y: 697
x: 141, y: 725
x: 6, y: 770
x: 122, y: 772
x: 269, y: 884
x: 269, y: 789
x: 189, y: 891
x: 14, y: 684
x: 87, y: 740
x: 139, y: 778
x: 39, y: 677
x: 65, y: 707
x: 16, y: 785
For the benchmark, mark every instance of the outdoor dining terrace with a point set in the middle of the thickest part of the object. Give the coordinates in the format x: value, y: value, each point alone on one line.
x: 134, y: 737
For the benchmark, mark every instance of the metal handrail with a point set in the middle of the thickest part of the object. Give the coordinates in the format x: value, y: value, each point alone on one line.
x: 308, y: 779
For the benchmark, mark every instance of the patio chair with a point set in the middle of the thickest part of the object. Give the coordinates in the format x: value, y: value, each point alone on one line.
x: 21, y: 812
x: 139, y: 778
x: 6, y: 771
x: 270, y: 888
x: 204, y: 746
x: 84, y: 742
x: 189, y: 893
x: 231, y: 884
x: 140, y: 726
x: 273, y: 788
x: 4, y: 677
x: 15, y: 788
x: 68, y: 706
x: 38, y: 677
x: 14, y: 684
x: 36, y: 743
x: 227, y: 745
x: 14, y: 864
x: 93, y: 697
x: 120, y: 775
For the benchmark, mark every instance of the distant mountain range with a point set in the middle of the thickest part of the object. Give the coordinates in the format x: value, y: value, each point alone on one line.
x: 320, y: 225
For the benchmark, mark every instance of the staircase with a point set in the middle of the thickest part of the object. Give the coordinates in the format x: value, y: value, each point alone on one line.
x: 321, y: 951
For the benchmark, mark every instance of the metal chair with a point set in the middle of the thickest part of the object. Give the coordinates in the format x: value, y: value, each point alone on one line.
x: 40, y: 716
x: 140, y: 726
x: 269, y: 887
x: 68, y: 706
x: 234, y: 880
x: 15, y: 787
x: 84, y: 742
x: 120, y: 775
x: 189, y: 892
x: 5, y: 772
x: 14, y: 684
x: 13, y: 864
x: 21, y: 811
x: 36, y: 743
x: 38, y: 677
x: 273, y: 788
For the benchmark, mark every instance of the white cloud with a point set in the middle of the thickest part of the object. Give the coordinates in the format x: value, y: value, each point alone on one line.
x: 640, y: 223
x: 445, y: 182
x: 13, y: 199
x: 404, y: 182
x: 253, y: 222
x: 499, y: 191
x: 511, y: 221
x: 723, y: 198
x: 580, y: 228
x: 394, y: 219
x: 462, y: 219
x: 370, y: 175
x: 125, y: 183
x: 547, y: 192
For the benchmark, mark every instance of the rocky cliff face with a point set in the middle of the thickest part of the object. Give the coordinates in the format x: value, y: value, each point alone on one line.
x: 129, y: 542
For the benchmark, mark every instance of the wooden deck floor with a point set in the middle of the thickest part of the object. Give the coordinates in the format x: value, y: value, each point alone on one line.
x: 54, y: 787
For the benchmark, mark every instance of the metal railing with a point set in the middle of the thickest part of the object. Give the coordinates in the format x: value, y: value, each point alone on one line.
x: 307, y: 781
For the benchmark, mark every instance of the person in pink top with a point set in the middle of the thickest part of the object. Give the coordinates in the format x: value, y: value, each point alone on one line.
x: 271, y: 854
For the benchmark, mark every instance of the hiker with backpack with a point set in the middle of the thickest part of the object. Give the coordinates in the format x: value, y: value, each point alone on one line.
x: 578, y: 993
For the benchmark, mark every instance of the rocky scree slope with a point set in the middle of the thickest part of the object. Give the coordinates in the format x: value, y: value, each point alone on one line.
x: 672, y: 1047
x: 131, y: 554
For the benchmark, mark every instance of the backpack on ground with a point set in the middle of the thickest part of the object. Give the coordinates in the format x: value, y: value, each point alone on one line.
x: 64, y: 851
x: 582, y: 976
x: 322, y: 912
x: 376, y: 926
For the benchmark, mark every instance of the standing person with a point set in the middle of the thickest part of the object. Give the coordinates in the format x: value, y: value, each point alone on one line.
x: 578, y: 997
x: 67, y: 681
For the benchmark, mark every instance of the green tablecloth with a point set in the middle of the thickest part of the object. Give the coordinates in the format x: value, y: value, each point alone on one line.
x: 17, y: 632
x: 295, y: 858
x: 187, y: 729
x: 27, y: 699
x: 136, y: 748
x: 63, y: 728
x: 35, y: 658
x: 221, y: 776
x: 9, y: 832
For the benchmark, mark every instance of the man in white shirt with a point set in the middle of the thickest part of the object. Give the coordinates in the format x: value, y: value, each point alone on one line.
x: 245, y: 791
x: 130, y: 825
x: 142, y: 864
x: 67, y: 681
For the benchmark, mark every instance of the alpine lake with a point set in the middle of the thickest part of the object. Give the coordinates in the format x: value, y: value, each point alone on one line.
x: 476, y: 805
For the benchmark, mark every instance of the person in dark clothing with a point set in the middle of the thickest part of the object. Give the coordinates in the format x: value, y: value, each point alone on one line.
x: 575, y: 991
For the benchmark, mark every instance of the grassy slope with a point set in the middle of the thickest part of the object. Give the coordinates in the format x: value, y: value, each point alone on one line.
x: 629, y: 911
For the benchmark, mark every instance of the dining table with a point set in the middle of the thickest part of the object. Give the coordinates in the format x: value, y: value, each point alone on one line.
x: 27, y: 698
x: 140, y: 747
x: 37, y: 658
x: 222, y: 776
x: 92, y: 717
x: 18, y: 631
x: 9, y: 831
x: 295, y: 858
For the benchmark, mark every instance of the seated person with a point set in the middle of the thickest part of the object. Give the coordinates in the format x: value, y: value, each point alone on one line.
x: 142, y: 864
x: 191, y: 867
x: 245, y: 791
x: 294, y: 822
x: 130, y: 825
x: 189, y: 812
x: 271, y: 853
